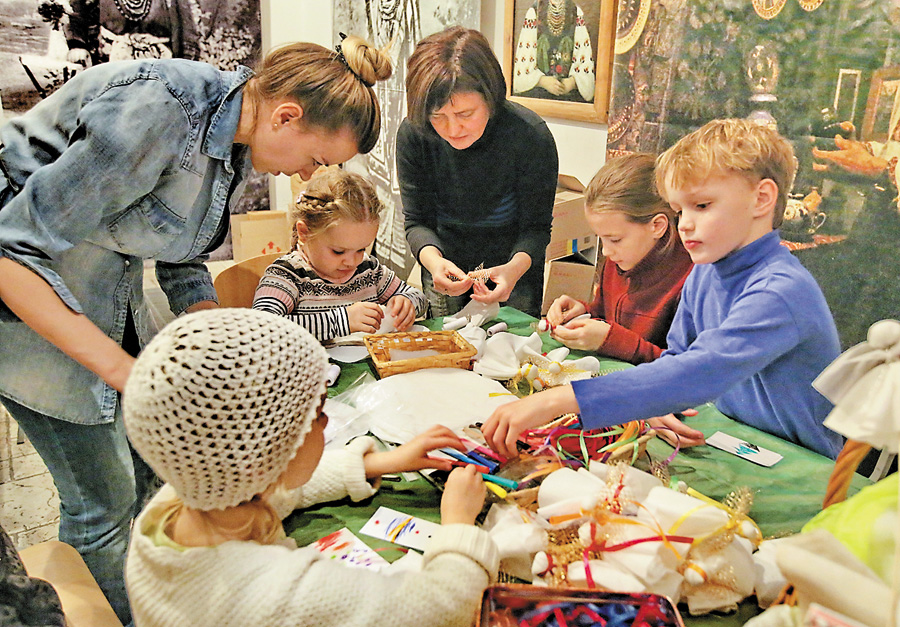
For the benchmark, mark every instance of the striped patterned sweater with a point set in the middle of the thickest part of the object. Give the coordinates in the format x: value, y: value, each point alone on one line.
x: 291, y: 288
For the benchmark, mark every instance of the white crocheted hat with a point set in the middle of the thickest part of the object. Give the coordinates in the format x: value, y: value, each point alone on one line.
x: 220, y: 400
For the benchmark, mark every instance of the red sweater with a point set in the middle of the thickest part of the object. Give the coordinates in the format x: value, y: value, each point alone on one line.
x: 640, y: 304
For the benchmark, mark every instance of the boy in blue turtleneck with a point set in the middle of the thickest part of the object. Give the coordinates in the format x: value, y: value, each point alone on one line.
x: 752, y: 330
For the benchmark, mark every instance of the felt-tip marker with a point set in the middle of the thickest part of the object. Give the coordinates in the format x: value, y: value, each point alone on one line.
x: 482, y: 450
x: 491, y: 464
x: 509, y: 484
x: 459, y: 464
x: 459, y: 456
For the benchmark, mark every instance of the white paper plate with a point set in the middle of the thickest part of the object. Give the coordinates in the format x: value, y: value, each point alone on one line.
x: 403, y: 405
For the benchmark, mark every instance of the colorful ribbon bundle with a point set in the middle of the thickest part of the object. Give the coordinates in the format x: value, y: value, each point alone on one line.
x: 583, y: 446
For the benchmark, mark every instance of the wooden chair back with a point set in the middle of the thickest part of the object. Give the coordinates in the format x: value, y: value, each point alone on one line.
x: 236, y: 285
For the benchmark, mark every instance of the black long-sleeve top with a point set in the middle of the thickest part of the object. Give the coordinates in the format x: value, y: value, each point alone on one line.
x: 487, y: 202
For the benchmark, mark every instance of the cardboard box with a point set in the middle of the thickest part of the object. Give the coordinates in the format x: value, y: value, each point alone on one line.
x: 259, y: 233
x: 570, y: 232
x: 572, y: 275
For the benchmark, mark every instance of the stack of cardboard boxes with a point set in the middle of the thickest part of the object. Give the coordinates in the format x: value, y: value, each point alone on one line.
x: 572, y: 251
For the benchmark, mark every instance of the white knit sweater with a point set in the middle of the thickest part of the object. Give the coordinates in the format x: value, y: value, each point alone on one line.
x: 245, y: 583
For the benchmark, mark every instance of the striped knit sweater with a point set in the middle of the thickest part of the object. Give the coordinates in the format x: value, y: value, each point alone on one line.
x: 291, y: 288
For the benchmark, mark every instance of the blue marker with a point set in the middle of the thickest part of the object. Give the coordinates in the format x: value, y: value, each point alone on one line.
x: 460, y: 457
x: 492, y: 465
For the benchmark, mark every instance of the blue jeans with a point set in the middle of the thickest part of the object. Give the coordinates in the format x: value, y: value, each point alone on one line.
x: 101, y: 483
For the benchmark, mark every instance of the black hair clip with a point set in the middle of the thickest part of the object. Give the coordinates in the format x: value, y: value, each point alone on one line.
x: 340, y: 51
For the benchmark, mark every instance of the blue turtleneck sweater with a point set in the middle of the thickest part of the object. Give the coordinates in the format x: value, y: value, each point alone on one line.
x: 751, y: 333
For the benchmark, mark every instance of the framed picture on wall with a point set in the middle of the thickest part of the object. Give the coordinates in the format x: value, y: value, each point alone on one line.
x: 558, y: 56
x: 882, y: 110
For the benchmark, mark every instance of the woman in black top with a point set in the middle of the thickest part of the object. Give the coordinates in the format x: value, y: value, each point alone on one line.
x: 477, y: 177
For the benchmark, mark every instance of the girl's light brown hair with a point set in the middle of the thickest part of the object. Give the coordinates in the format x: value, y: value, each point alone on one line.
x: 451, y: 61
x: 334, y: 93
x: 731, y: 146
x: 627, y: 184
x: 331, y: 195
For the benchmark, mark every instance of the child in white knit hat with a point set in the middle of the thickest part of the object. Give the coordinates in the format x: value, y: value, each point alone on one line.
x: 226, y: 406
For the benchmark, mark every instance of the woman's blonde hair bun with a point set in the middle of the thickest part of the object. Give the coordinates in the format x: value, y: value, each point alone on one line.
x: 370, y: 64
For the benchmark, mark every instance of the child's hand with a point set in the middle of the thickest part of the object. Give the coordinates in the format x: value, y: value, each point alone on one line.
x: 365, y: 317
x: 414, y: 454
x: 564, y: 309
x: 463, y: 497
x: 502, y: 428
x: 670, y: 426
x: 403, y: 311
x: 584, y: 334
x: 449, y: 279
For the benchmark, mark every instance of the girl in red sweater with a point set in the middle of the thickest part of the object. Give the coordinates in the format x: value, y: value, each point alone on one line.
x: 638, y: 285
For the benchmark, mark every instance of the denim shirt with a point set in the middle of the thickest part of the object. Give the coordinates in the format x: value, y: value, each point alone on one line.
x: 127, y: 161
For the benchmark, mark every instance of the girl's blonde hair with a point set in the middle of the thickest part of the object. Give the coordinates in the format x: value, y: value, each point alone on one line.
x: 334, y: 88
x: 265, y: 525
x: 334, y: 194
x: 732, y: 146
x: 627, y: 184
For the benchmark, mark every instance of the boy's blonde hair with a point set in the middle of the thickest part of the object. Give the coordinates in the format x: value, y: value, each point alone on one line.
x: 626, y: 184
x: 731, y: 146
x: 334, y: 194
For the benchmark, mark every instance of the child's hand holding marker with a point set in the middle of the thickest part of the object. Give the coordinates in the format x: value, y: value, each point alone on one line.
x: 414, y: 454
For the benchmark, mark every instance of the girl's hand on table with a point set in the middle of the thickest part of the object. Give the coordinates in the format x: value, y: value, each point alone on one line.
x: 403, y: 312
x: 564, y: 309
x: 414, y: 454
x: 584, y: 334
x: 670, y: 426
x: 501, y: 430
x: 463, y: 497
x: 365, y: 317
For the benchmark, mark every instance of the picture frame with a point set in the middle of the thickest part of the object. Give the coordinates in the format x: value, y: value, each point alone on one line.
x: 600, y: 20
x: 882, y: 110
x: 846, y: 93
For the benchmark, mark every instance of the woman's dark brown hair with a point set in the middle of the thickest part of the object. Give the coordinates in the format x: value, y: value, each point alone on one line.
x: 449, y: 62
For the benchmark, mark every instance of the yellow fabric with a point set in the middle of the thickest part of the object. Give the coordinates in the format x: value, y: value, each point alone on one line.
x: 859, y: 524
x: 156, y: 531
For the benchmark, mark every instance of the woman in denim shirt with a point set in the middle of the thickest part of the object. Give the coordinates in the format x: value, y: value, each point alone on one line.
x: 131, y: 161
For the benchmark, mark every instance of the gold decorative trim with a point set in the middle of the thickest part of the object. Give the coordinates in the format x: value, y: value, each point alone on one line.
x: 626, y: 42
x: 768, y: 9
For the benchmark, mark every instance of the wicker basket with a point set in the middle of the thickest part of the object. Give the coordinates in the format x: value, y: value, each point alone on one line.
x: 454, y: 351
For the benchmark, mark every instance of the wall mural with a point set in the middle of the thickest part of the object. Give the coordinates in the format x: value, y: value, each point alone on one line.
x: 379, y: 21
x: 43, y: 43
x: 814, y: 68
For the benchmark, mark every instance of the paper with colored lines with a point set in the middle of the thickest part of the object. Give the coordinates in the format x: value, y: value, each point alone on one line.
x: 393, y: 526
x: 344, y: 547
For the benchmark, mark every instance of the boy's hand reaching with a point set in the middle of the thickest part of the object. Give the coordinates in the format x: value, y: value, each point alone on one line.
x: 502, y: 428
x: 584, y: 334
x: 365, y: 317
x: 564, y: 309
x: 403, y: 312
x: 414, y: 454
x: 463, y: 497
x: 670, y: 426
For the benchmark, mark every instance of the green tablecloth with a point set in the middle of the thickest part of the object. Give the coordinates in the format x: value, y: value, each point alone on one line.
x: 786, y: 495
